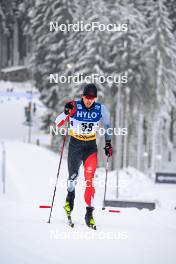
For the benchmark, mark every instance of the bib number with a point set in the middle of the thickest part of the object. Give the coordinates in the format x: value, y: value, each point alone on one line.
x: 87, y: 127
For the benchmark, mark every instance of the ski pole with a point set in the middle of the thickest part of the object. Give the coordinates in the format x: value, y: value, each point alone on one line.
x: 107, y: 165
x: 62, y: 150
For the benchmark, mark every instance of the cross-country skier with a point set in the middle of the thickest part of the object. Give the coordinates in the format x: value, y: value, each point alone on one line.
x: 84, y: 116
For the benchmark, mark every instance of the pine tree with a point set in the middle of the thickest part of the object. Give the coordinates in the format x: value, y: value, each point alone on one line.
x: 160, y: 53
x: 171, y: 4
x: 125, y: 58
x: 84, y: 49
x: 49, y: 50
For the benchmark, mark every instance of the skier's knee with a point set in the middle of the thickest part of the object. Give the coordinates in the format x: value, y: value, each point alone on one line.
x: 71, y: 185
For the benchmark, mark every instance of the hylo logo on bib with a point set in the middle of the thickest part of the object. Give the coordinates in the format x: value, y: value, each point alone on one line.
x: 86, y: 114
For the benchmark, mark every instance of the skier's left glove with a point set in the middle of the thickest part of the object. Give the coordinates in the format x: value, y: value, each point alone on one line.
x: 108, y: 148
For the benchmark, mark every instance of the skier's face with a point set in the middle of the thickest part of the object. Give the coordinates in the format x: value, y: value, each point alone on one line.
x: 88, y: 101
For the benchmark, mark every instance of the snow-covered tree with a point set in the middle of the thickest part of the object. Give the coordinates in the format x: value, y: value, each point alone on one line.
x: 171, y: 4
x: 85, y: 48
x: 125, y: 58
x: 160, y: 54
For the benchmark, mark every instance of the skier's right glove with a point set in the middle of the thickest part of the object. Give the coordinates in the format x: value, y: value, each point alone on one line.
x: 108, y: 148
x: 70, y: 108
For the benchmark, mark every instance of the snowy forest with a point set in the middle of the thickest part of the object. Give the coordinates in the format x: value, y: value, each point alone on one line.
x: 60, y: 202
x: 145, y: 53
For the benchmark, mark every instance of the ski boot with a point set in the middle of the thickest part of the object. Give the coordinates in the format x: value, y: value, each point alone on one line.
x: 89, y: 218
x: 68, y: 207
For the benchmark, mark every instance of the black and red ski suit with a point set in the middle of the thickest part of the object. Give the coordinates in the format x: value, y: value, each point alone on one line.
x: 82, y: 145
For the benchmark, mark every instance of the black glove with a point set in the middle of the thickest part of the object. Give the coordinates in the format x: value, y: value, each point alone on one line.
x: 108, y: 148
x: 70, y: 108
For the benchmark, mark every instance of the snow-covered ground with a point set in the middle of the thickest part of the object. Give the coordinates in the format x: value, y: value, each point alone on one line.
x: 136, y: 186
x: 131, y: 236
